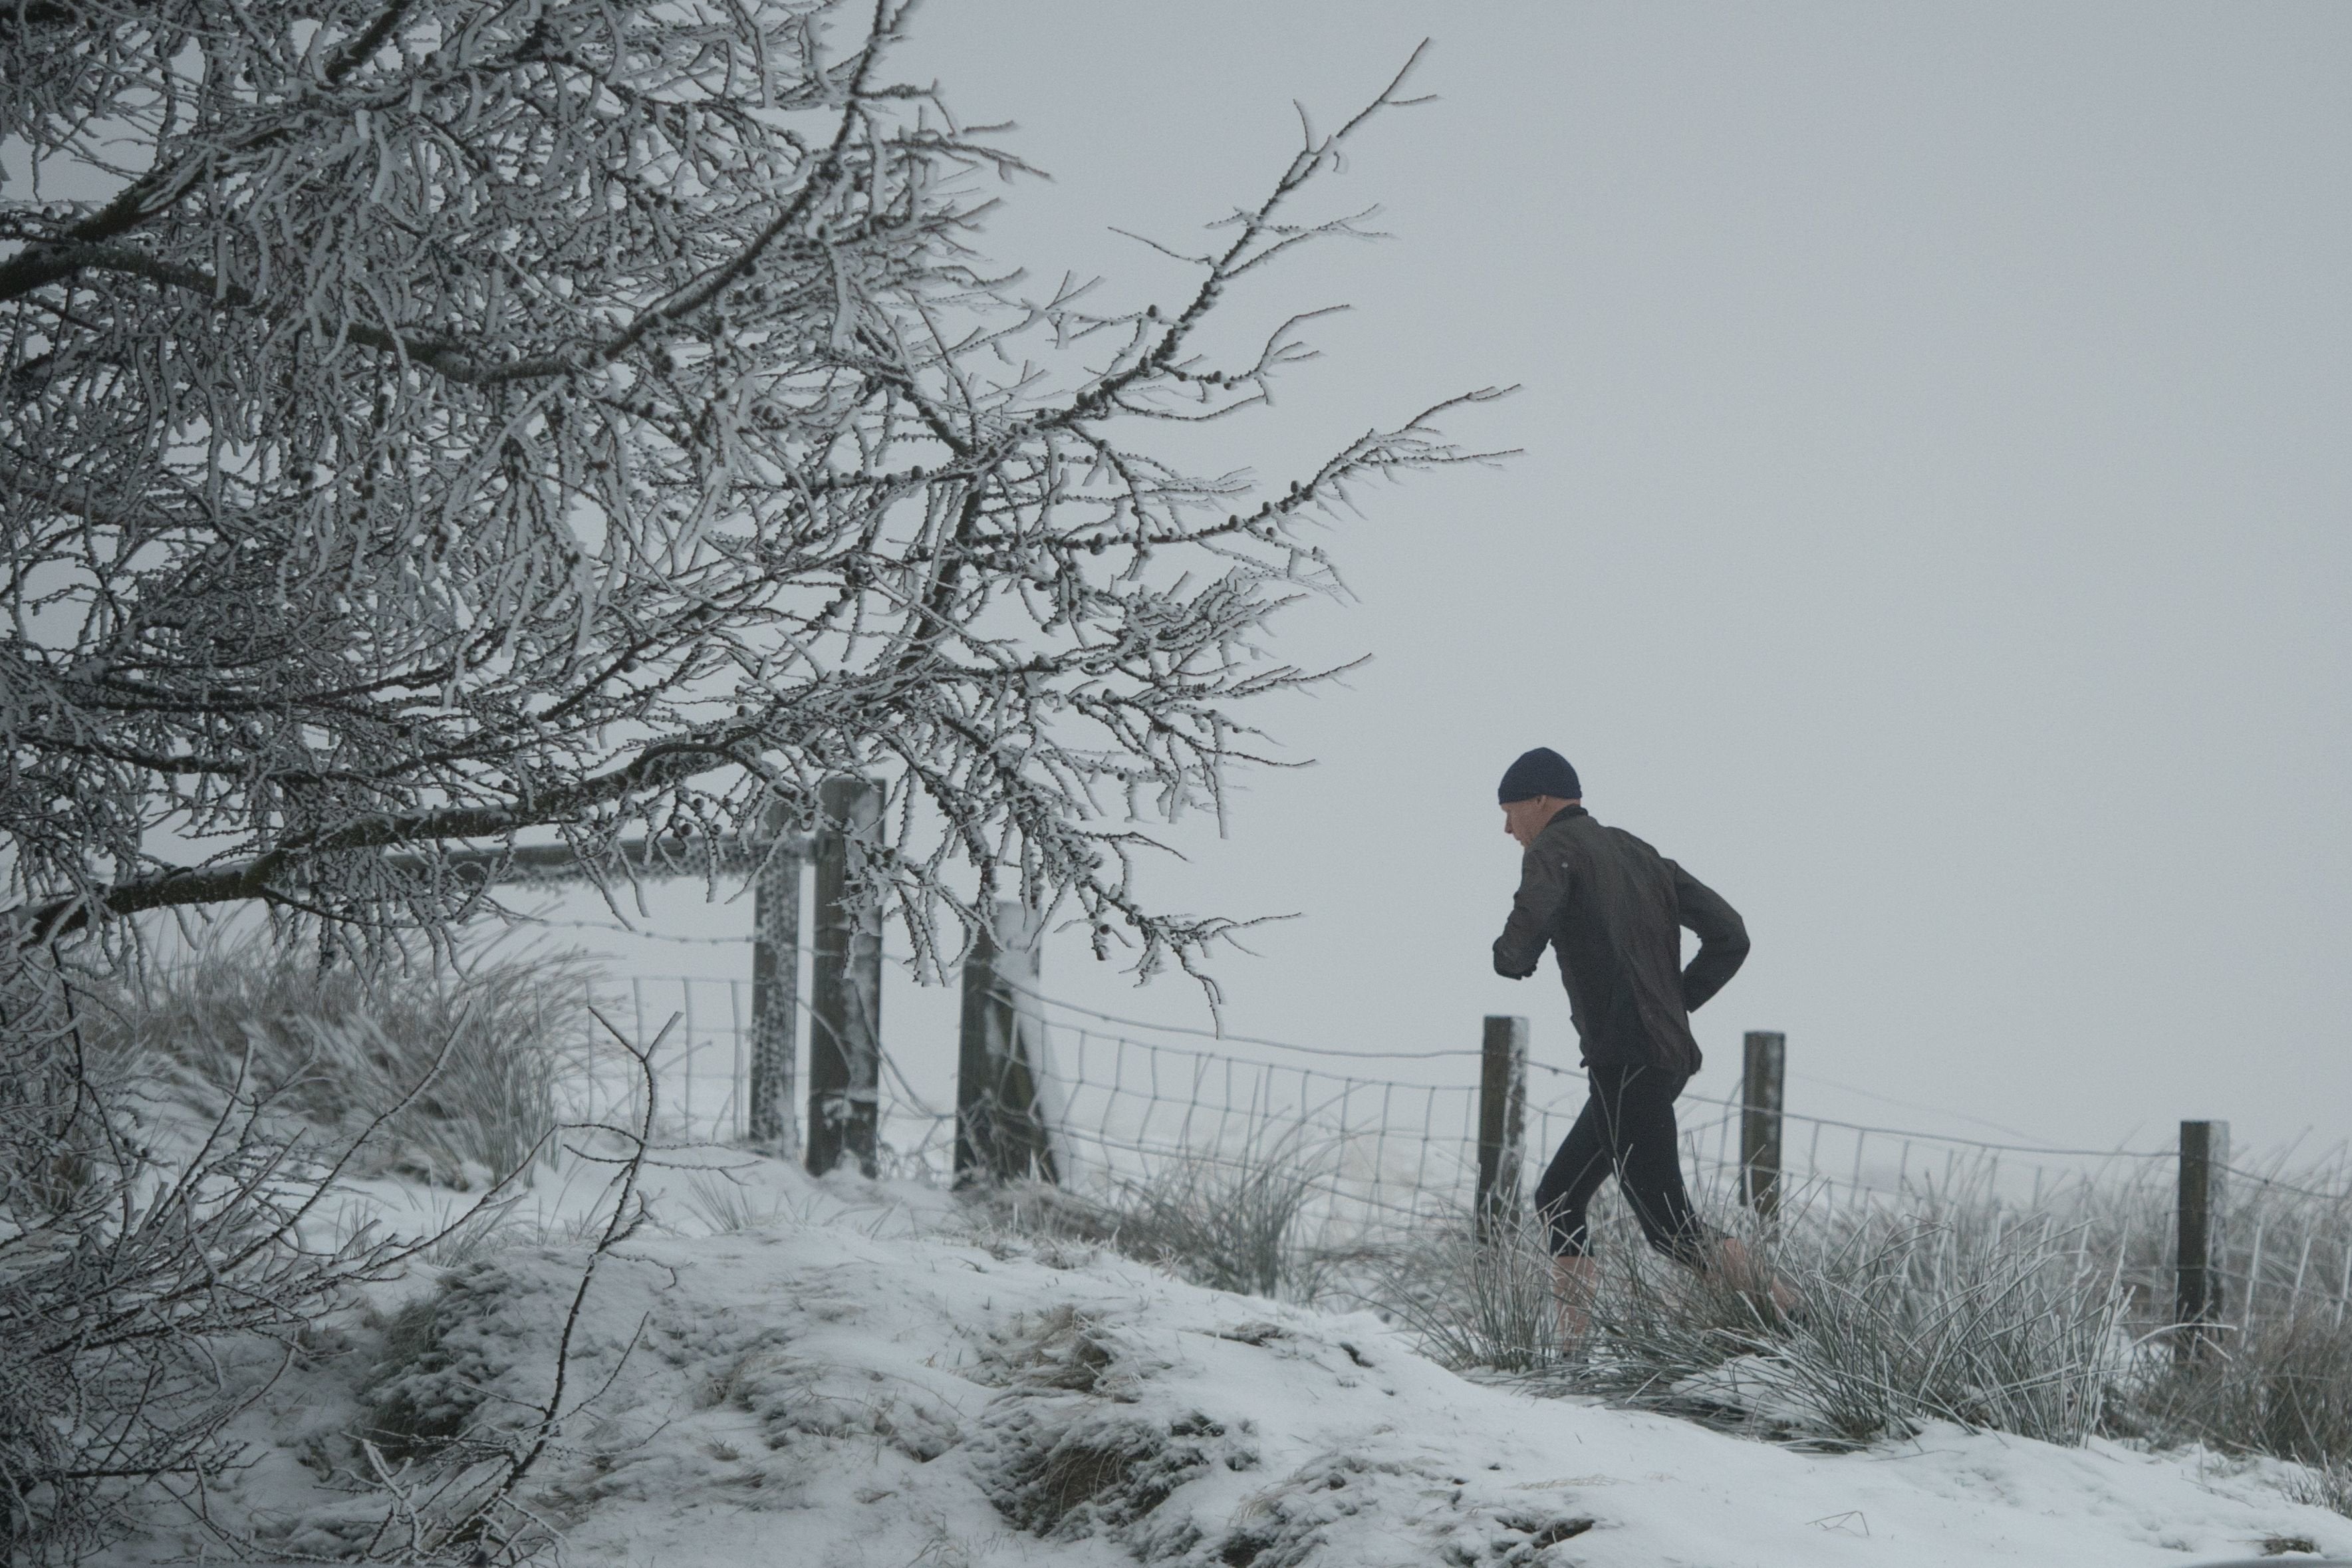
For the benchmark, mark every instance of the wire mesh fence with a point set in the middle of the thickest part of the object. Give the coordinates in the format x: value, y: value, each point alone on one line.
x: 1379, y: 1154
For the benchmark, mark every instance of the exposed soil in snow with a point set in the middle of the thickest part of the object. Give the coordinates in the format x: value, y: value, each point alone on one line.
x: 852, y: 1383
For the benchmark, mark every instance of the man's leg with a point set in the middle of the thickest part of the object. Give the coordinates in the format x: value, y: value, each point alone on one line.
x: 1651, y: 1171
x: 1575, y: 1174
x: 1573, y: 1281
x: 1650, y: 1165
x: 1743, y: 1272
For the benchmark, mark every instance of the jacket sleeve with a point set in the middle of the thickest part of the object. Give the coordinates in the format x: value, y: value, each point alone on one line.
x: 1722, y: 938
x: 1543, y: 888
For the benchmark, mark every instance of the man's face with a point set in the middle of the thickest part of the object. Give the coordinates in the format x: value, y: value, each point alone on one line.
x: 1523, y: 819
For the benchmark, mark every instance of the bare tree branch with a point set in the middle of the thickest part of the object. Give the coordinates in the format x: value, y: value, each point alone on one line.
x: 581, y: 420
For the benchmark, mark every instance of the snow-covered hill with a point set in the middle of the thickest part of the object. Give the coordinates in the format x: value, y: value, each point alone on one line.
x: 853, y: 1384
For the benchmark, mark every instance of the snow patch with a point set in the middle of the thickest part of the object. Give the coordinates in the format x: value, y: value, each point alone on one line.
x: 855, y: 1385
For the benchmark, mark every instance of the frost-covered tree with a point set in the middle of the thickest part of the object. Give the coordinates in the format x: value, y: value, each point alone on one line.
x: 452, y: 420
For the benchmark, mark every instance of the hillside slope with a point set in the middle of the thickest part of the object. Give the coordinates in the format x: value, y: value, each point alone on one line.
x: 855, y: 1387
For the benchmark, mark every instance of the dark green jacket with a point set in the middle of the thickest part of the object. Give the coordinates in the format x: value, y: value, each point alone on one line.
x: 1613, y: 907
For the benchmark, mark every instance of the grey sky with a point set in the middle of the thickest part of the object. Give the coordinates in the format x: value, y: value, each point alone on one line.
x: 1931, y: 528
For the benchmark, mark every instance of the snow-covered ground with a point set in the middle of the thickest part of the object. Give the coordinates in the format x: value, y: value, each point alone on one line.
x: 858, y: 1379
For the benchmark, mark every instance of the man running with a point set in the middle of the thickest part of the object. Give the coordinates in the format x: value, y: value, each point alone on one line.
x: 1613, y: 908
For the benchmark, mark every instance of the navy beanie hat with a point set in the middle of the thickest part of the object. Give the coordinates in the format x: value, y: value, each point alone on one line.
x: 1540, y: 772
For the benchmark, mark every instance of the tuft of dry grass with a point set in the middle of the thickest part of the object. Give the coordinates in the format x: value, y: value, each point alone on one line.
x: 1229, y: 1219
x: 2281, y: 1387
x: 726, y: 1205
x: 1903, y: 1318
x: 1233, y: 1218
x: 1474, y: 1303
x: 1958, y: 1317
x: 2328, y: 1486
x: 495, y: 1041
x: 1081, y: 1468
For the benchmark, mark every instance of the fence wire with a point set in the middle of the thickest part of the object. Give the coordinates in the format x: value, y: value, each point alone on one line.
x: 1375, y: 1154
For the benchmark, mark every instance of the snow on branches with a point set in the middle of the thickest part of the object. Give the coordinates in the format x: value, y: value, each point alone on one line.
x: 452, y: 421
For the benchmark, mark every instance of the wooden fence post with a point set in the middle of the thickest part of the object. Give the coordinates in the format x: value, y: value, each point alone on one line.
x: 1766, y: 1060
x: 1502, y: 1122
x: 1001, y: 1135
x: 2197, y: 1302
x: 845, y: 992
x: 771, y: 1122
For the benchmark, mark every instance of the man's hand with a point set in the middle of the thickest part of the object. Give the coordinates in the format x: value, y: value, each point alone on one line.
x: 1510, y: 970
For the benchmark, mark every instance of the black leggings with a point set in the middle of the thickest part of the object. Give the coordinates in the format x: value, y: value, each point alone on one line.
x: 1627, y: 1126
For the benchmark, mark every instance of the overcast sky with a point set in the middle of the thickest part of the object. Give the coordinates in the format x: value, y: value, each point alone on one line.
x: 1931, y: 528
